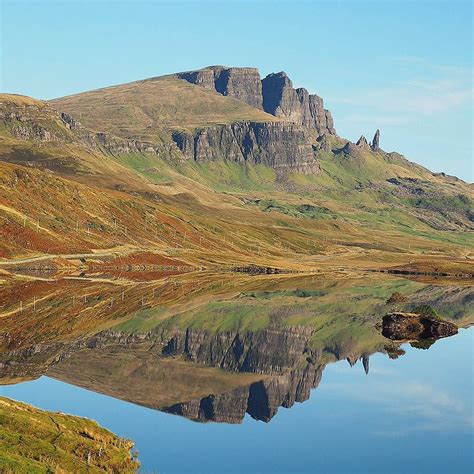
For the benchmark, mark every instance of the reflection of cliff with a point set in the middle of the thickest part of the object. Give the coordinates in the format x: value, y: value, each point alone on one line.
x: 260, y: 400
x: 184, y: 360
x: 181, y: 371
x: 268, y: 351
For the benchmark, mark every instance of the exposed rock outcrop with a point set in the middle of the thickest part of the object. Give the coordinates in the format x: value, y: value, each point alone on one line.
x: 242, y: 83
x: 375, y: 145
x: 261, y: 400
x: 274, y: 94
x: 280, y: 145
x: 295, y: 105
x: 42, y: 123
x: 362, y: 142
x: 411, y: 326
x: 247, y: 352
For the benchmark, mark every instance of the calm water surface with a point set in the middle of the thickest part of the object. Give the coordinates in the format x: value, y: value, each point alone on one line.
x: 412, y: 414
x: 268, y: 374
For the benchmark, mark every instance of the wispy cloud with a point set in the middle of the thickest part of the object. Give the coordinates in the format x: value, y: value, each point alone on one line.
x: 429, y: 407
x: 428, y: 89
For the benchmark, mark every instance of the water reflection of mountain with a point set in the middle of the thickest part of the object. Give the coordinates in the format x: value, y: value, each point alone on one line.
x: 225, y: 356
x: 227, y: 375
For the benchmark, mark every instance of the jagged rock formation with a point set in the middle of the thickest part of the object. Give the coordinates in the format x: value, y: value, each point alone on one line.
x: 247, y: 352
x: 365, y: 362
x: 280, y: 145
x: 375, y: 145
x: 274, y: 94
x: 295, y: 105
x: 242, y: 83
x: 261, y: 400
x: 353, y: 149
x: 362, y: 142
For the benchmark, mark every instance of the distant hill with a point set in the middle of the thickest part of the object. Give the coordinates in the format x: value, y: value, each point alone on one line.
x: 224, y: 166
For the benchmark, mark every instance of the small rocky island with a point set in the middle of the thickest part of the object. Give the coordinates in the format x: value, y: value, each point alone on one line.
x: 403, y: 326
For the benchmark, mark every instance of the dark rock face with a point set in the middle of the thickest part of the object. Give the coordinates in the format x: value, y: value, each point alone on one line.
x: 247, y: 352
x: 293, y: 372
x: 362, y: 142
x: 375, y: 145
x: 274, y: 94
x: 295, y: 105
x: 410, y: 326
x: 261, y: 400
x: 280, y: 145
x: 242, y: 83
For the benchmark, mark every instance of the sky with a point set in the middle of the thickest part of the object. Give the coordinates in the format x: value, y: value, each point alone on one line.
x: 403, y: 66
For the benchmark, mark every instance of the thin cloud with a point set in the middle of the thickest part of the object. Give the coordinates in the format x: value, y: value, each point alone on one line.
x: 415, y: 96
x: 431, y: 89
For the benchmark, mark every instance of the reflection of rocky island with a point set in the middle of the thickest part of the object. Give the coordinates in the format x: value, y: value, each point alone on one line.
x: 218, y: 357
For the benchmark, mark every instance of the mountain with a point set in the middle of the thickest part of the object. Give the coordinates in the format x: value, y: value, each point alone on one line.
x: 219, y: 167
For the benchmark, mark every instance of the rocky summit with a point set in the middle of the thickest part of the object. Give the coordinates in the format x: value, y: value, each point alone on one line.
x: 274, y: 94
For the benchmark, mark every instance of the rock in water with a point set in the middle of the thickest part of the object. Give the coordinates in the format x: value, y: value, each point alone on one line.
x: 410, y: 326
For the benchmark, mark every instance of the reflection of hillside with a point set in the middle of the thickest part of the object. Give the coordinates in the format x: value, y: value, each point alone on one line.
x: 199, y: 375
x: 205, y: 354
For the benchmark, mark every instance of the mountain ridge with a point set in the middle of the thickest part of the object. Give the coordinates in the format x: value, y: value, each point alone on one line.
x: 193, y: 151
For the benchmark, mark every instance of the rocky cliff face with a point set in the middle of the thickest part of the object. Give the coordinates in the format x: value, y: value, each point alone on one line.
x: 246, y: 352
x: 261, y: 400
x: 291, y: 371
x: 242, y: 83
x: 282, y: 146
x: 40, y: 122
x: 295, y: 105
x: 274, y: 94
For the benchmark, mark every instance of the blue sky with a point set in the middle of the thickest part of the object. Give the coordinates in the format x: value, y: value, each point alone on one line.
x: 402, y: 66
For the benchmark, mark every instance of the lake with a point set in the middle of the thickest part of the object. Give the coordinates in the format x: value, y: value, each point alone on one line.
x: 259, y: 375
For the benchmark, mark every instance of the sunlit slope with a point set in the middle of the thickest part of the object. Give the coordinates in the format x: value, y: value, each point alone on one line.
x: 145, y: 109
x: 365, y: 207
x: 362, y: 184
x: 33, y: 134
x: 76, y: 444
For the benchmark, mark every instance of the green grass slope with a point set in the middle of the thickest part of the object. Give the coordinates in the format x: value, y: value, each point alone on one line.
x: 35, y: 441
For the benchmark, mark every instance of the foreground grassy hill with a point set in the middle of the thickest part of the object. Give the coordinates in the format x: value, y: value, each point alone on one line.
x: 33, y: 440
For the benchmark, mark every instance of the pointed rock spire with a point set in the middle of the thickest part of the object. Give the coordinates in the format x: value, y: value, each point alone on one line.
x: 352, y: 360
x: 375, y: 145
x: 365, y: 362
x: 362, y: 142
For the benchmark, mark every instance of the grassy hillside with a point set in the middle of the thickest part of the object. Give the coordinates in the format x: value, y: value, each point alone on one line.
x: 365, y: 209
x: 33, y: 440
x: 144, y: 109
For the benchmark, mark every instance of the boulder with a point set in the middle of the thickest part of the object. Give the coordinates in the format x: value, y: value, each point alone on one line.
x: 400, y: 326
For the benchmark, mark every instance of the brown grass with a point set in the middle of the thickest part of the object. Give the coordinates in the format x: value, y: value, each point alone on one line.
x: 143, y: 109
